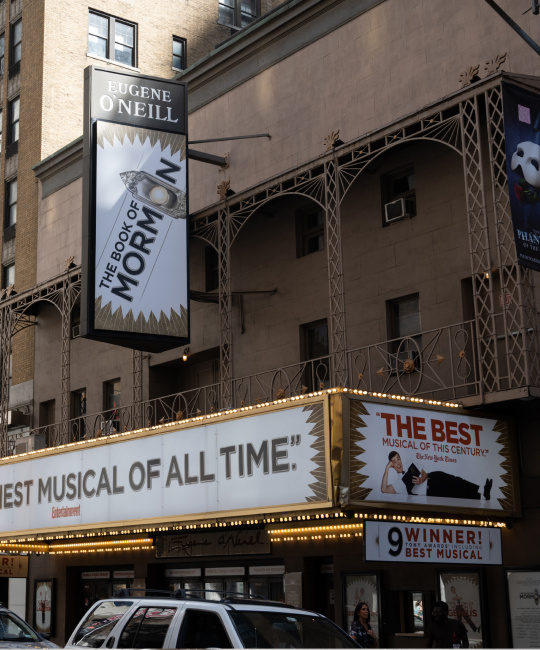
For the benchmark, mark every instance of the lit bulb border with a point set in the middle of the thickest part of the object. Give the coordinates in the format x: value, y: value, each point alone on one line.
x: 45, y: 543
x: 318, y: 526
x: 229, y: 413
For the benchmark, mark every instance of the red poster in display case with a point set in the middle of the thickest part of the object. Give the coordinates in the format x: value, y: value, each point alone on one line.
x: 44, y: 606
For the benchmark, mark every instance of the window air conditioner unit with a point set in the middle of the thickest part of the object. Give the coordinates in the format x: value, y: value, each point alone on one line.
x: 109, y: 427
x: 75, y: 331
x: 398, y: 209
x: 30, y: 443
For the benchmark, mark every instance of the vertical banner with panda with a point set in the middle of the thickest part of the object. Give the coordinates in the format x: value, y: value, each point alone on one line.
x: 135, y: 209
x: 522, y: 139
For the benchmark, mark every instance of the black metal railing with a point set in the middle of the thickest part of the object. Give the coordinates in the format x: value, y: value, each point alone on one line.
x: 153, y: 412
x: 279, y: 383
x: 437, y: 364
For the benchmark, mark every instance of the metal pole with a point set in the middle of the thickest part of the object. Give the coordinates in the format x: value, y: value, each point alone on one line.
x: 514, y: 26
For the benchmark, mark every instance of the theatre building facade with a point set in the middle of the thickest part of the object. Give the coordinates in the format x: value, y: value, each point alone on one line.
x: 293, y: 499
x: 355, y: 413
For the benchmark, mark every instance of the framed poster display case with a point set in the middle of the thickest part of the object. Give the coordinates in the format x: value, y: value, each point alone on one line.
x: 44, y: 606
x: 463, y: 591
x: 522, y: 592
x: 363, y: 587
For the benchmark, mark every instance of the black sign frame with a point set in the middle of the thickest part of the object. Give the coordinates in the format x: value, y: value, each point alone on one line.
x: 164, y: 111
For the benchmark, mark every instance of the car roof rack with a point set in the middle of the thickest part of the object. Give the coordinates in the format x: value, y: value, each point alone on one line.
x: 225, y: 596
x: 182, y: 594
x: 128, y: 592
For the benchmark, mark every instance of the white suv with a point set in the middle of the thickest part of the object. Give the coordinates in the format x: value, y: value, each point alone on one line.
x: 187, y: 621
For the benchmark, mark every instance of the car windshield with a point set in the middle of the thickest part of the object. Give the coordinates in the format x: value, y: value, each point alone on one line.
x: 100, y: 621
x: 266, y: 629
x: 13, y: 628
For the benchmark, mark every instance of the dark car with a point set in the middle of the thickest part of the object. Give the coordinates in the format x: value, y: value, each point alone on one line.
x: 15, y: 633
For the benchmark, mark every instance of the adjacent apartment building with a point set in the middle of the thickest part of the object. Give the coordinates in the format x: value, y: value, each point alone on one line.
x: 355, y: 416
x: 45, y: 49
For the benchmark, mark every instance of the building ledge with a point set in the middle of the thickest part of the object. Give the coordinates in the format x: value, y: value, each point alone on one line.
x: 522, y: 393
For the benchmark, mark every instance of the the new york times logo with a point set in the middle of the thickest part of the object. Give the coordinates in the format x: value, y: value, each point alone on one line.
x: 531, y: 594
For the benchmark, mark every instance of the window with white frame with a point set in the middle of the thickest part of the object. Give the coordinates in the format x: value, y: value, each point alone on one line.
x: 8, y: 275
x: 309, y: 231
x: 11, y: 203
x: 14, y: 116
x: 404, y: 330
x: 398, y: 195
x: 12, y: 140
x: 112, y: 38
x: 179, y: 53
x: 15, y: 43
x: 238, y: 13
x: 2, y: 52
x: 112, y: 391
x: 314, y: 349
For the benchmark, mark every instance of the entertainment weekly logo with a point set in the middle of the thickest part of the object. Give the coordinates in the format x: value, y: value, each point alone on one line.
x: 74, y: 511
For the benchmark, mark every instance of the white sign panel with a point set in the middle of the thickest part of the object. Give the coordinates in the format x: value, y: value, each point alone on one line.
x: 424, y: 457
x: 524, y: 600
x: 274, y: 570
x: 268, y: 460
x: 183, y: 573
x: 135, y: 206
x: 141, y: 232
x: 225, y: 571
x: 95, y: 575
x: 410, y: 542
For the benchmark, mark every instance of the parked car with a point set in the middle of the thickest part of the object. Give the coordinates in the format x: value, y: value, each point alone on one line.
x: 15, y: 633
x: 189, y: 620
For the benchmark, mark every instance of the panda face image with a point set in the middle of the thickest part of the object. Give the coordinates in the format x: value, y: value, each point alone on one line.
x: 527, y: 157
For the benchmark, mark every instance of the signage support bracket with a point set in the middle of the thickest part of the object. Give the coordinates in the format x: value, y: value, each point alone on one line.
x: 209, y: 158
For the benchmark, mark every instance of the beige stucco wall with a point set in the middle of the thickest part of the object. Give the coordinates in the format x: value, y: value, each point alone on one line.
x: 389, y: 62
x: 427, y: 254
x: 299, y: 101
x: 60, y: 230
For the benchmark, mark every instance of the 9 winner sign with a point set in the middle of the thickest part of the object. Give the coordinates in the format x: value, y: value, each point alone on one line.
x: 135, y: 254
x: 412, y: 542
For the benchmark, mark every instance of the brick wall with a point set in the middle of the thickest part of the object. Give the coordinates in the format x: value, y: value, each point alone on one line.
x: 28, y: 86
x: 54, y: 56
x: 65, y: 55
